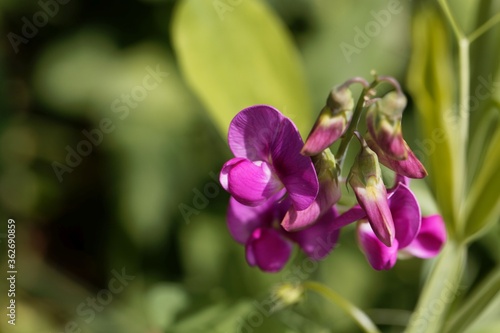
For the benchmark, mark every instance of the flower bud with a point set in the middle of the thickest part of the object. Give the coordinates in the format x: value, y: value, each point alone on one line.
x: 410, y: 167
x: 288, y: 294
x: 366, y: 180
x: 332, y: 122
x: 384, y: 124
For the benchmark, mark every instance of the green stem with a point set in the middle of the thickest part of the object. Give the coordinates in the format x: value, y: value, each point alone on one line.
x: 464, y: 97
x: 463, y: 112
x: 363, y: 321
x: 353, y: 125
x: 440, y: 290
x: 475, y: 304
x: 456, y: 29
x: 484, y: 28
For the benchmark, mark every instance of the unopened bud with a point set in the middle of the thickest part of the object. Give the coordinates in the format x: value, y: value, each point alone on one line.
x: 366, y: 180
x: 384, y: 124
x: 410, y: 167
x: 289, y: 294
x: 332, y: 122
x: 328, y: 195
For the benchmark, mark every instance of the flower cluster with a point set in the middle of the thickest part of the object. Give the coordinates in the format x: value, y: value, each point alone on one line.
x: 284, y: 191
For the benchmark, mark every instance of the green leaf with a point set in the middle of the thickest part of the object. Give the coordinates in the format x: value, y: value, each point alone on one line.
x: 482, y: 207
x: 163, y: 302
x: 217, y: 318
x: 430, y: 80
x: 234, y: 56
x: 477, y: 150
x: 476, y: 304
x: 440, y: 290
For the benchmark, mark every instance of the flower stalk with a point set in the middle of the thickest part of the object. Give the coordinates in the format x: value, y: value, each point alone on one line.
x: 361, y: 319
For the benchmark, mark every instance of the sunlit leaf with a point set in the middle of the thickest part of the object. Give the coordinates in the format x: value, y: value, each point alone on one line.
x: 430, y: 80
x: 238, y: 55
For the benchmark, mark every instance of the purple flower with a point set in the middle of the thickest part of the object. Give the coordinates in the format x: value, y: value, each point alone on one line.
x: 414, y: 235
x: 426, y: 244
x: 267, y: 146
x: 267, y: 245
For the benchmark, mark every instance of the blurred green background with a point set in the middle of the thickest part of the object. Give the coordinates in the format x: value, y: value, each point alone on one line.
x: 134, y: 203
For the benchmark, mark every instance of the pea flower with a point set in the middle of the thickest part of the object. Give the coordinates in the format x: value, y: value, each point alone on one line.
x: 267, y: 245
x: 414, y: 235
x: 266, y: 146
x: 427, y: 243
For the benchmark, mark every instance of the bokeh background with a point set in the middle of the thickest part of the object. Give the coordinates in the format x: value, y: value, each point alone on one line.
x: 134, y: 203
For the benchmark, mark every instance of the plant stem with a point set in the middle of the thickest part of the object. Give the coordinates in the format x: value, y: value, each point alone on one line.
x: 440, y: 289
x: 341, y: 152
x: 463, y: 111
x: 464, y: 98
x: 363, y: 321
x: 456, y: 29
x: 484, y: 28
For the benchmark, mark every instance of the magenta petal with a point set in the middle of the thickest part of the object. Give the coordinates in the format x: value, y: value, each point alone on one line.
x: 224, y: 174
x: 253, y: 130
x: 296, y: 220
x: 388, y: 138
x: 242, y: 220
x: 411, y: 167
x: 268, y: 250
x: 251, y: 183
x: 397, y: 180
x: 405, y: 214
x: 381, y: 257
x: 374, y: 201
x: 329, y: 194
x: 354, y: 214
x: 296, y: 171
x: 325, y: 132
x: 319, y: 239
x: 430, y: 239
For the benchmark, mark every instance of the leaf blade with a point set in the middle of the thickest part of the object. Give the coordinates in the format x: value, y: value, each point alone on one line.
x: 239, y: 58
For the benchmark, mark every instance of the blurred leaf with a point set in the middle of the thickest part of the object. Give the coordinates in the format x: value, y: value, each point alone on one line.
x: 475, y: 305
x: 200, y: 319
x: 430, y: 80
x: 239, y: 57
x: 488, y: 321
x: 483, y: 203
x: 207, y: 235
x: 72, y: 71
x: 164, y: 301
x: 443, y: 279
x: 478, y: 148
x: 219, y: 318
x: 336, y: 46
